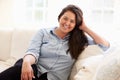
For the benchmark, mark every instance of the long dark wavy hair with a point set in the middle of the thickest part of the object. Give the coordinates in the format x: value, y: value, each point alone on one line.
x: 77, y: 40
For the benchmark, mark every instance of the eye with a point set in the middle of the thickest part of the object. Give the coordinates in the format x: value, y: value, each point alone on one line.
x: 72, y: 21
x: 65, y: 18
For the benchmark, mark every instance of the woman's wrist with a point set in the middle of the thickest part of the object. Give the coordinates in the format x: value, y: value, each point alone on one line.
x: 29, y: 59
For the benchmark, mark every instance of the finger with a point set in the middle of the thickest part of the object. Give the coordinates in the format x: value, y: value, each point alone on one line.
x: 24, y: 77
x: 32, y: 74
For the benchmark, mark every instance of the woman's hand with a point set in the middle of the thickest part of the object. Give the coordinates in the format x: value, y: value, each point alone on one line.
x: 97, y: 39
x: 27, y: 71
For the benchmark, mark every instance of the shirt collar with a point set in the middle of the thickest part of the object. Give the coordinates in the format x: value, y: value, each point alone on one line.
x: 52, y: 31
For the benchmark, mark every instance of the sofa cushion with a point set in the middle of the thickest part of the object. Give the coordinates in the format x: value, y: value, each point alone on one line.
x: 3, y: 66
x: 87, y: 67
x: 20, y: 41
x: 86, y: 64
x: 109, y: 69
x: 6, y: 64
x: 5, y: 42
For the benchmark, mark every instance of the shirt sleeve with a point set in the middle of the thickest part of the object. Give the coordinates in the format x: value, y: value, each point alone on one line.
x: 35, y: 44
x: 92, y: 42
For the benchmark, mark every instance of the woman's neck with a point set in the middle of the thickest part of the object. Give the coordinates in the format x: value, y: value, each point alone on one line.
x: 59, y: 33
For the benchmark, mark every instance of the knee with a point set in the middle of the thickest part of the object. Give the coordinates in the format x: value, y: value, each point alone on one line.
x: 19, y: 62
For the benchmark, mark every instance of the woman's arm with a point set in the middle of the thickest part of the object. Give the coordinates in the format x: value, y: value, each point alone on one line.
x: 27, y: 71
x: 31, y: 56
x: 29, y: 59
x: 98, y: 39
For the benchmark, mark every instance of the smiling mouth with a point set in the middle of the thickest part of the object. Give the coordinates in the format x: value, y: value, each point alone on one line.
x: 66, y: 27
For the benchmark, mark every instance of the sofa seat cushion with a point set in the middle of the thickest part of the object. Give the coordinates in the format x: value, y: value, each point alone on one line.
x: 6, y: 64
x: 3, y: 66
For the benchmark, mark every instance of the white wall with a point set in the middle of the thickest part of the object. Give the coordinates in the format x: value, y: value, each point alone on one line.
x: 6, y: 13
x: 12, y: 14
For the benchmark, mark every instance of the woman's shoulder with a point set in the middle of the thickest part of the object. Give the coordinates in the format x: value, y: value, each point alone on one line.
x: 45, y: 30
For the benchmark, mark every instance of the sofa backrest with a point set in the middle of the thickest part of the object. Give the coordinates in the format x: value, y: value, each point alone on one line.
x: 5, y: 43
x: 20, y: 41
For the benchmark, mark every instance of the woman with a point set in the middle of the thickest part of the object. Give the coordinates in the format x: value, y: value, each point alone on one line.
x: 52, y: 52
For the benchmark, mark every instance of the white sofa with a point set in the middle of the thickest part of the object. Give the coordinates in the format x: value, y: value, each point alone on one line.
x: 14, y: 42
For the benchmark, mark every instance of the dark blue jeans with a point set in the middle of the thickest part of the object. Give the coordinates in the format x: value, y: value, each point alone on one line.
x: 14, y: 72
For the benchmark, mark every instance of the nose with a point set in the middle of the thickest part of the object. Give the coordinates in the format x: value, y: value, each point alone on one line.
x: 67, y: 22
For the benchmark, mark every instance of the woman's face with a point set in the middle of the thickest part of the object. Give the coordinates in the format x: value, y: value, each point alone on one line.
x: 67, y: 22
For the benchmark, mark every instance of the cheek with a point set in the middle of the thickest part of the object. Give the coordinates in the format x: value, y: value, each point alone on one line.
x: 73, y: 26
x: 61, y: 22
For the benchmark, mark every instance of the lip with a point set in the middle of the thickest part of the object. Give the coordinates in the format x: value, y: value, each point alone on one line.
x: 66, y: 27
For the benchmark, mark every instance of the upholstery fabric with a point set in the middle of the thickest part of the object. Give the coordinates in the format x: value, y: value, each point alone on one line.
x: 20, y: 41
x: 5, y: 43
x: 109, y: 69
x: 87, y: 63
